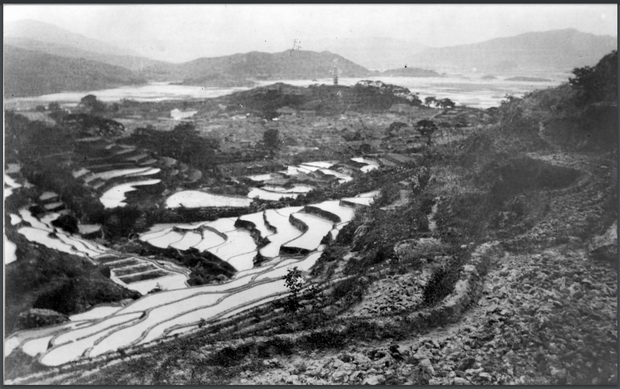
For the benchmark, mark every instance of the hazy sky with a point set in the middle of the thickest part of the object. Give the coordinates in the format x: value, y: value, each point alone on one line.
x: 183, y: 32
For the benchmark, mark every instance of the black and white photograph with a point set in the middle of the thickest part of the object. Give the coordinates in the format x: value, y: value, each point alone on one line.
x: 310, y: 194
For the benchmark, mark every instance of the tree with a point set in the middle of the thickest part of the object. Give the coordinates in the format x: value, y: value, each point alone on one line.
x: 598, y: 83
x: 394, y: 128
x: 415, y: 100
x: 446, y: 103
x: 271, y: 139
x: 430, y: 100
x: 53, y: 106
x: 294, y: 282
x: 426, y: 128
x: 93, y: 105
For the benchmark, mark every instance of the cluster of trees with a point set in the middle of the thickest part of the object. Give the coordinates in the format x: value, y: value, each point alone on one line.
x: 183, y: 143
x: 426, y: 128
x: 271, y: 139
x: 92, y: 104
x: 205, y: 267
x: 378, y: 95
x: 42, y: 152
x: 48, y: 279
x: 598, y: 83
x: 442, y: 103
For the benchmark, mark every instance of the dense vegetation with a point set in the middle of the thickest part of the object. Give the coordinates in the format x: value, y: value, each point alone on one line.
x: 365, y: 96
x: 46, y: 278
x: 205, y: 267
x: 182, y: 143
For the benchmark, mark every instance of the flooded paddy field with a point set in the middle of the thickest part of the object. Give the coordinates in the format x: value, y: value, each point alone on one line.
x: 178, y: 308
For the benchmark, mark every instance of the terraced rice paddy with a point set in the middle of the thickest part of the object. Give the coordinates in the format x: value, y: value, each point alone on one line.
x: 167, y: 239
x: 285, y: 231
x: 15, y: 219
x: 197, y: 199
x: 371, y: 164
x: 107, y: 175
x: 362, y: 199
x: 48, y: 196
x: 86, y: 229
x: 9, y: 185
x: 41, y: 231
x: 320, y: 164
x: 190, y: 239
x: 115, y: 197
x: 159, y: 314
x: 258, y: 222
x: 178, y: 308
x: 317, y: 229
x: 269, y: 195
x: 96, y: 313
x: 260, y: 177
x: 294, y: 189
x: 10, y: 250
x: 134, y: 272
x: 209, y: 240
x: 335, y: 207
x: 342, y: 178
x: 12, y: 168
x: 274, y: 192
x: 165, y: 281
x: 80, y: 172
x: 254, y: 293
x: 44, y: 238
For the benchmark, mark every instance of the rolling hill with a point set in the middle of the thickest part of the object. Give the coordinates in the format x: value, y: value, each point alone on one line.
x: 50, y: 39
x: 131, y: 62
x: 560, y: 50
x: 30, y: 73
x: 376, y: 53
x: 296, y: 64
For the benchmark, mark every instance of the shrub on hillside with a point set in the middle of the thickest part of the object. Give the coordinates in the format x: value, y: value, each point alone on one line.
x: 598, y: 83
x: 67, y: 223
x: 49, y: 279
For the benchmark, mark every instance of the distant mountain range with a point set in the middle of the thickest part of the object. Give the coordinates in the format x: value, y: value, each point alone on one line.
x: 558, y: 50
x: 41, y: 58
x: 377, y: 53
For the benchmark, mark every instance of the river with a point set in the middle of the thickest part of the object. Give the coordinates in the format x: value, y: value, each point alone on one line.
x: 472, y: 91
